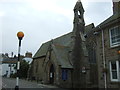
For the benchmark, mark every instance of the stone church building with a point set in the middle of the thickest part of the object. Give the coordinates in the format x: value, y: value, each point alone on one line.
x: 82, y: 58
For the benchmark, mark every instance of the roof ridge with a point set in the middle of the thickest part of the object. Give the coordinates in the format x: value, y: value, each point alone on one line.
x: 109, y: 19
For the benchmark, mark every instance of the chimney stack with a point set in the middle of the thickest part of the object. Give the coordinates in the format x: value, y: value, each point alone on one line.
x: 28, y: 54
x: 116, y: 6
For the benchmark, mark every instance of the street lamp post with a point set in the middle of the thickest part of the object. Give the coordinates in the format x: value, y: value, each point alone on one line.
x: 20, y: 35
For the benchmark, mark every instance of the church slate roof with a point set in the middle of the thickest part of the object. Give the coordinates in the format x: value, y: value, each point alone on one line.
x: 61, y: 47
x: 42, y: 50
x: 64, y: 40
x: 62, y: 55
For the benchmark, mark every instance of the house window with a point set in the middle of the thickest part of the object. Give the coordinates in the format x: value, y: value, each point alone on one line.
x: 64, y: 74
x: 115, y: 70
x: 115, y: 36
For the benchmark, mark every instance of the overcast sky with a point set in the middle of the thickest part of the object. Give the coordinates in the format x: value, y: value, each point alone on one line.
x: 43, y: 20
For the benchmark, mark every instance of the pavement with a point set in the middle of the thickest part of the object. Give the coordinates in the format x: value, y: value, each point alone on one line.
x: 47, y: 86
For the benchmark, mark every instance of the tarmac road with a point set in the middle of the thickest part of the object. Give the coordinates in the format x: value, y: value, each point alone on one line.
x: 9, y: 84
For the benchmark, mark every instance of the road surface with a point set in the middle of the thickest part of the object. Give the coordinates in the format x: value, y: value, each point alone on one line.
x: 10, y: 83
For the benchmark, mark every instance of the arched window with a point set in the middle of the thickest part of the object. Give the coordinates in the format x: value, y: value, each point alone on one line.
x: 92, y: 53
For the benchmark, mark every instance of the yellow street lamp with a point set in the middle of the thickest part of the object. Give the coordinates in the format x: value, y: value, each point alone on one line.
x: 20, y: 35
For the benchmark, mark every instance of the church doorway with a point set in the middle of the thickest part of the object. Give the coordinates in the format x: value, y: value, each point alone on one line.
x: 51, y: 74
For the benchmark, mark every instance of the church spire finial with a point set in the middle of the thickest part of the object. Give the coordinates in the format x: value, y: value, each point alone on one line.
x: 79, y: 12
x: 79, y: 1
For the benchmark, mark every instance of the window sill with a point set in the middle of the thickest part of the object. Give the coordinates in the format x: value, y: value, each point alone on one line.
x: 115, y: 46
x: 114, y: 82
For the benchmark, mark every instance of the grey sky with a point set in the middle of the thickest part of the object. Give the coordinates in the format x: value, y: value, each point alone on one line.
x: 43, y: 20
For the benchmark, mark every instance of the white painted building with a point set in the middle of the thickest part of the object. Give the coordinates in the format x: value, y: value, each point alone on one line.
x: 7, y: 69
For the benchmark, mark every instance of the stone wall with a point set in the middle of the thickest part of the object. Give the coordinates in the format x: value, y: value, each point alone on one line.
x: 37, y: 69
x: 110, y: 55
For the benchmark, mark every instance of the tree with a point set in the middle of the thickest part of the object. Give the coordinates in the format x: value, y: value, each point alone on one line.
x: 23, y: 71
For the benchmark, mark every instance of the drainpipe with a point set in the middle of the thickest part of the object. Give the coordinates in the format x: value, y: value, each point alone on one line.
x: 104, y: 62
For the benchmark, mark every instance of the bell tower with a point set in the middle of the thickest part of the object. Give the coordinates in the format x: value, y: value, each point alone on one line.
x: 78, y: 56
